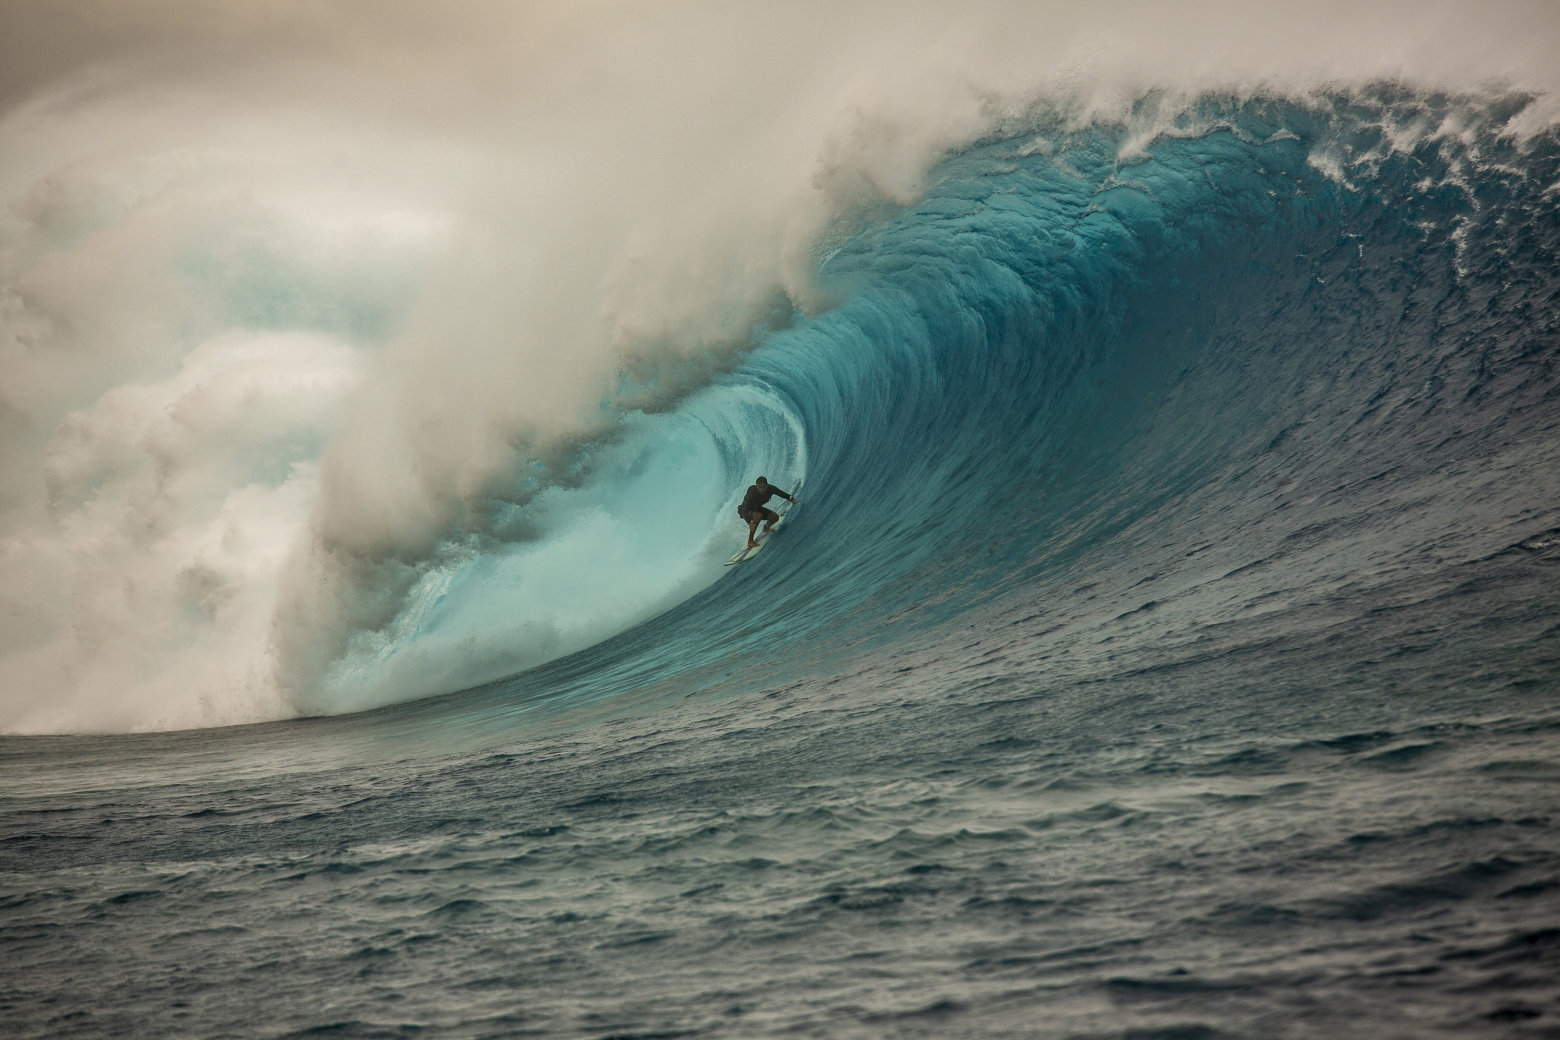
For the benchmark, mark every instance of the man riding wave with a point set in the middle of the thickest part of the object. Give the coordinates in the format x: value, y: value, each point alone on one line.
x: 752, y: 509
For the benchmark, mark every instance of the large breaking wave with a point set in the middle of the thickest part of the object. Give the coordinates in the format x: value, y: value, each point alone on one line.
x: 1130, y: 373
x: 1148, y: 399
x: 1276, y: 351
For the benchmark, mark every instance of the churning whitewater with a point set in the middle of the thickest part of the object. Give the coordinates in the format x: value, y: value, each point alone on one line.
x: 1167, y: 647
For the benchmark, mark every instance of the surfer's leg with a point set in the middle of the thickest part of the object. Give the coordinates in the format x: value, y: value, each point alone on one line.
x: 773, y: 518
x: 752, y: 526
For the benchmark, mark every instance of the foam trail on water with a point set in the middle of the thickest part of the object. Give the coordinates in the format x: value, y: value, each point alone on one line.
x: 305, y: 314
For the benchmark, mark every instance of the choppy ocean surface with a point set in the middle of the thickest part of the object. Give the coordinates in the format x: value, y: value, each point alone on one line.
x: 1167, y: 647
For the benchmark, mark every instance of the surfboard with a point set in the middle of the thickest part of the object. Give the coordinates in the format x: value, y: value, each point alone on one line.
x: 746, y: 553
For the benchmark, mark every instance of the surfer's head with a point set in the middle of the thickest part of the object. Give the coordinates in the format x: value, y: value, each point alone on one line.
x: 761, y: 482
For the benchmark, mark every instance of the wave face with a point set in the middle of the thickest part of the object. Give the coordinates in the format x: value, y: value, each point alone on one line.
x: 1165, y: 647
x: 1142, y: 400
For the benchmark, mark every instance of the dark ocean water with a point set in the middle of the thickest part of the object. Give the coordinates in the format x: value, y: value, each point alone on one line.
x: 1167, y: 648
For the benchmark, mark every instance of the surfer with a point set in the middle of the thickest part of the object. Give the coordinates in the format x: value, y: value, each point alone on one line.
x: 752, y: 509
